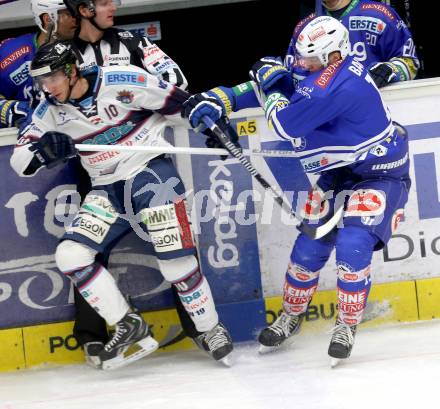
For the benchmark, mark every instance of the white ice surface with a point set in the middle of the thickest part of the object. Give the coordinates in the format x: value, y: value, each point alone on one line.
x: 390, y: 367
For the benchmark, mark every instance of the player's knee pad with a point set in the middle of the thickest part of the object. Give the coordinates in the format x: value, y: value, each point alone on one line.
x: 193, y: 290
x: 71, y: 256
x: 354, y: 249
x: 178, y: 269
x: 311, y: 254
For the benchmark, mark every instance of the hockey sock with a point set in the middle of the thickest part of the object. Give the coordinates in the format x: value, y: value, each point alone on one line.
x: 353, y: 289
x: 99, y: 289
x: 193, y: 290
x: 299, y: 287
x: 354, y: 250
x: 307, y: 258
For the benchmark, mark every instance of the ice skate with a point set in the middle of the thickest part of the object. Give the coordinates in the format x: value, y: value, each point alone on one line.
x: 91, y: 353
x: 131, y: 341
x: 283, y: 329
x: 217, y: 343
x: 342, y: 342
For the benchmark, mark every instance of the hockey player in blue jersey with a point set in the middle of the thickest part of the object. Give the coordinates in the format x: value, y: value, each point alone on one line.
x: 379, y: 39
x: 341, y: 130
x: 16, y: 92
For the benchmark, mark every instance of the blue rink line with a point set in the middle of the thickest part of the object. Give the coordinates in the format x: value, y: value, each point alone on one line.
x: 423, y: 131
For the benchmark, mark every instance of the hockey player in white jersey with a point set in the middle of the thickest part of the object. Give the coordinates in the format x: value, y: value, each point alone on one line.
x: 96, y: 42
x: 120, y: 106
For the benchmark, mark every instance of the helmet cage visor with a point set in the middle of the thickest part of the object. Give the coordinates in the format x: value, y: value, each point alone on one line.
x: 44, y: 78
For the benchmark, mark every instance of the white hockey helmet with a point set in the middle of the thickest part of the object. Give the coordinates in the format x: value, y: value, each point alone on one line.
x: 322, y: 36
x: 51, y: 7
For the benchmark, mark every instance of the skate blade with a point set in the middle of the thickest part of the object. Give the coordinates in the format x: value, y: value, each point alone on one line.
x: 94, y: 361
x: 263, y: 349
x: 334, y: 362
x: 143, y: 347
x: 228, y: 360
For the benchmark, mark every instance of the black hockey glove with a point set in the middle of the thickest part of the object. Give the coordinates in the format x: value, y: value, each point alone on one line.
x: 213, y: 142
x: 53, y: 148
x: 383, y: 74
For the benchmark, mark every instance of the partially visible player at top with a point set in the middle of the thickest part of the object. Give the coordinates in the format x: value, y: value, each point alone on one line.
x: 379, y: 39
x: 98, y: 43
x: 17, y: 95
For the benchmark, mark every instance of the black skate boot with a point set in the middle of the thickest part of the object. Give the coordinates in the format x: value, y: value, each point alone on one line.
x: 273, y: 336
x: 342, y: 342
x: 92, y: 350
x: 217, y: 343
x: 130, y: 331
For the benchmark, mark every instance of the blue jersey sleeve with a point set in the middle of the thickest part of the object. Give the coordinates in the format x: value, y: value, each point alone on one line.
x: 236, y: 98
x: 304, y: 115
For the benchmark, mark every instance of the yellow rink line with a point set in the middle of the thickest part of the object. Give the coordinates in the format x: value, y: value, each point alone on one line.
x: 396, y: 302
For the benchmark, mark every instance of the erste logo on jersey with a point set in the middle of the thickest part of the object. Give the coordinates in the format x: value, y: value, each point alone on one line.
x: 41, y: 109
x: 125, y: 77
x: 21, y: 74
x: 371, y: 24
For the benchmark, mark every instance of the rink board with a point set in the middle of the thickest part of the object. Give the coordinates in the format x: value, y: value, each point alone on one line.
x: 389, y: 303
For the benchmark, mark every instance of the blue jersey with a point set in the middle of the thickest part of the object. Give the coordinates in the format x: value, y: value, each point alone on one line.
x: 335, y: 117
x: 15, y: 58
x: 377, y: 34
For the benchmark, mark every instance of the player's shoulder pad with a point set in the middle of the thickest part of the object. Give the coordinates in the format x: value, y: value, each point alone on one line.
x: 124, y: 75
x: 380, y: 10
x: 302, y: 24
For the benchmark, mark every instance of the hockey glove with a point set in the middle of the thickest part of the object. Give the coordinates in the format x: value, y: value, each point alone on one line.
x: 13, y: 112
x: 383, y: 74
x: 268, y: 72
x: 212, y: 140
x: 53, y: 148
x: 199, y: 105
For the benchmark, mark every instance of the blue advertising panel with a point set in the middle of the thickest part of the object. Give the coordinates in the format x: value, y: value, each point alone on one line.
x: 33, y: 212
x: 228, y: 242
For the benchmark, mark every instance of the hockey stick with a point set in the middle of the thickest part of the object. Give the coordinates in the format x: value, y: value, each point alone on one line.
x: 181, y: 150
x: 314, y: 232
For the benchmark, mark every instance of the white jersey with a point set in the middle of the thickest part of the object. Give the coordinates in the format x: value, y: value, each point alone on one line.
x: 123, y: 106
